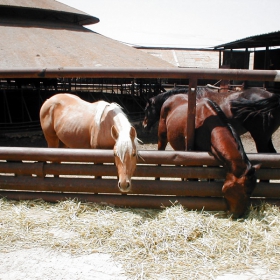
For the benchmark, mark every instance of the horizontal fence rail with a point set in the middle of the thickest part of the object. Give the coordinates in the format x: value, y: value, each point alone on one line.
x: 128, y: 72
x: 28, y: 173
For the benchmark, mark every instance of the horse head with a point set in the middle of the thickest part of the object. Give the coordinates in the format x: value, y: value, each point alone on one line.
x: 125, y: 153
x: 237, y: 191
x: 151, y: 114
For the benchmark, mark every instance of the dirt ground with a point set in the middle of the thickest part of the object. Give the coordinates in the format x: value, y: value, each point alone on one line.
x: 43, y: 264
x: 36, y: 139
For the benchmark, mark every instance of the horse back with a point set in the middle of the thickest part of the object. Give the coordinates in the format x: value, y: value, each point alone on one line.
x: 69, y: 119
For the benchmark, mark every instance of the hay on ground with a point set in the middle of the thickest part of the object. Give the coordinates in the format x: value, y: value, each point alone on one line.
x: 171, y: 243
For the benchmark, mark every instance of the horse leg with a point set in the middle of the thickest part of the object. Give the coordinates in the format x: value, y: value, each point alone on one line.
x: 162, y: 139
x: 54, y: 142
x: 263, y: 142
x: 263, y: 145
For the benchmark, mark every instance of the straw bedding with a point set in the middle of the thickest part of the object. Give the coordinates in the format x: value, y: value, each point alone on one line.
x: 171, y: 243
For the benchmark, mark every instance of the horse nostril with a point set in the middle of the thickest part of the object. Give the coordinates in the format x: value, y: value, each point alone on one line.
x: 124, y: 187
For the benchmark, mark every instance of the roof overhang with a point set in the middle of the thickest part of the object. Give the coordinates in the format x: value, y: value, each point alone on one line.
x: 258, y: 41
x: 44, y: 10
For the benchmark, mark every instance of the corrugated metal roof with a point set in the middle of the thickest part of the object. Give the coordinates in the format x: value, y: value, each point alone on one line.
x: 48, y: 38
x: 45, y: 5
x: 258, y: 41
x: 45, y: 45
x: 40, y: 9
x: 186, y: 58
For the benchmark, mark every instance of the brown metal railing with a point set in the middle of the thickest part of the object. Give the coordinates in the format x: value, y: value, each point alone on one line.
x: 26, y: 173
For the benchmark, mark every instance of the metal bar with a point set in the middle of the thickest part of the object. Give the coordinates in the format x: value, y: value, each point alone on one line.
x: 42, y: 169
x: 7, y: 106
x: 151, y: 187
x: 91, y: 185
x: 175, y: 73
x: 191, y: 114
x: 146, y: 157
x: 191, y: 203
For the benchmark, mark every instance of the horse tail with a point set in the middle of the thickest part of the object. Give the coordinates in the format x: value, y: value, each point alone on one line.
x: 244, y: 109
x: 225, y: 120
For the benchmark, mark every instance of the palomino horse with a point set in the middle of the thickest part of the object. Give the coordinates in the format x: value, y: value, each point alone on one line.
x: 68, y: 121
x: 214, y: 134
x: 254, y: 110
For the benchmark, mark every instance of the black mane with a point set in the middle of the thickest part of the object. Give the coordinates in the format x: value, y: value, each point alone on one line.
x: 223, y: 117
x: 162, y: 97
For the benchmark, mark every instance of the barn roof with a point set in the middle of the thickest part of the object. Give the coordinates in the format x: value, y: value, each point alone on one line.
x: 34, y: 9
x: 51, y: 34
x: 258, y: 41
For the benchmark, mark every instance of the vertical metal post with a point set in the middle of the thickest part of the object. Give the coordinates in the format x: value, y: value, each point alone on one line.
x: 191, y: 114
x: 220, y: 58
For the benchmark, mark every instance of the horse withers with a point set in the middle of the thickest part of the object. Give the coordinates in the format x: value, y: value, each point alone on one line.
x: 214, y: 134
x: 70, y: 122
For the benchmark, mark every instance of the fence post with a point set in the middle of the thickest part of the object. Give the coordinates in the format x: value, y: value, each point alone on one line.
x: 191, y: 113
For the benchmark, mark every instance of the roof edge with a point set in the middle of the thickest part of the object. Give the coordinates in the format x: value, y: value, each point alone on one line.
x: 38, y: 14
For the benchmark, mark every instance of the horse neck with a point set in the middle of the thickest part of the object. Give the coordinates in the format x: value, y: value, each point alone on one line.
x: 230, y: 151
x: 121, y: 122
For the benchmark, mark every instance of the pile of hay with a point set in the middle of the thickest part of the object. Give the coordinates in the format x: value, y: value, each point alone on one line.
x: 171, y: 243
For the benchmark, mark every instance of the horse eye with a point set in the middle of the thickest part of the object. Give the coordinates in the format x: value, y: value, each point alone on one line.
x: 115, y: 154
x: 134, y: 154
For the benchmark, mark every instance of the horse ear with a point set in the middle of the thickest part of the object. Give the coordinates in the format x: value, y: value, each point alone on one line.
x: 253, y: 169
x: 114, y: 133
x: 133, y: 133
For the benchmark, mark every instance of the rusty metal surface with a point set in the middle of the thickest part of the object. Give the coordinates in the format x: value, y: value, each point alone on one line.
x: 140, y: 72
x: 145, y: 156
x: 104, y: 156
x: 47, y: 7
x: 47, y: 45
x: 208, y: 204
x: 42, y: 169
x: 191, y: 203
x: 146, y: 192
x: 191, y: 114
x: 139, y: 201
x: 80, y: 169
x: 146, y: 187
x: 91, y: 185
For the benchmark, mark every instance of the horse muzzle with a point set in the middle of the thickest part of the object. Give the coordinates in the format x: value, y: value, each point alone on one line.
x: 124, y: 186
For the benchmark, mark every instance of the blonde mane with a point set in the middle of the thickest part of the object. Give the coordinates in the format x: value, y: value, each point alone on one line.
x: 100, y: 109
x: 124, y: 143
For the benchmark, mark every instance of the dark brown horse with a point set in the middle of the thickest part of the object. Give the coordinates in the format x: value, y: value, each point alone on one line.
x: 255, y: 110
x: 214, y: 134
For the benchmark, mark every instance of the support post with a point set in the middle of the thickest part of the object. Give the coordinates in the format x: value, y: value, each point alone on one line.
x: 191, y: 114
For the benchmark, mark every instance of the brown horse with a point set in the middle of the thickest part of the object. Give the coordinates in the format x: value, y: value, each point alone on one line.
x: 214, y: 134
x: 68, y: 121
x: 255, y: 110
